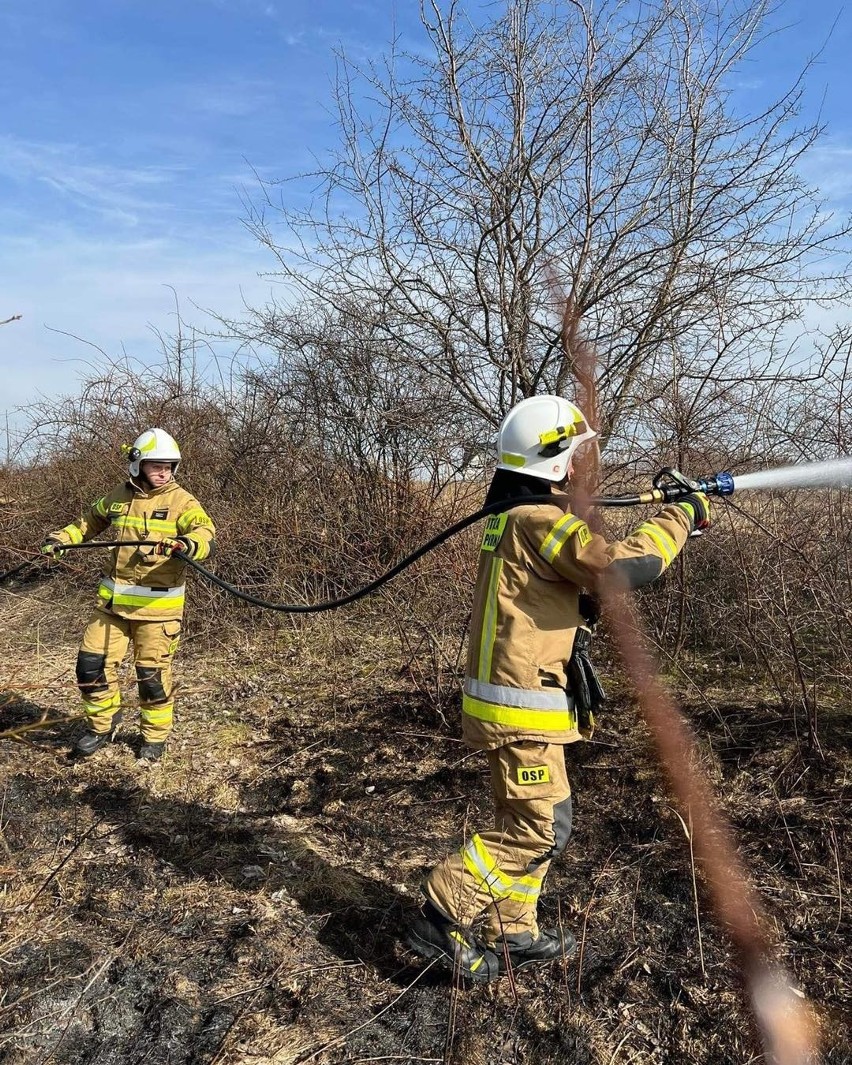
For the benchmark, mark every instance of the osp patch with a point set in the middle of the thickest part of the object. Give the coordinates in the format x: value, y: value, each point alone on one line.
x: 534, y: 774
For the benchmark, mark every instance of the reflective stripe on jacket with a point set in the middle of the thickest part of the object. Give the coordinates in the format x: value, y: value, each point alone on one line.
x: 137, y: 583
x: 533, y: 562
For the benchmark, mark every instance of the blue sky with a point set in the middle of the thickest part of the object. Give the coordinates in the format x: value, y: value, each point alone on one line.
x: 130, y: 129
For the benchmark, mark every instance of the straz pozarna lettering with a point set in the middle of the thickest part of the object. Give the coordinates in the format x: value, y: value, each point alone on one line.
x: 494, y: 531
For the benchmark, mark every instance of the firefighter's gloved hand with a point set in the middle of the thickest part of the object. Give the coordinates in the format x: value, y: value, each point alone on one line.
x: 698, y: 506
x: 52, y: 548
x: 180, y: 545
x: 583, y: 682
x: 590, y: 609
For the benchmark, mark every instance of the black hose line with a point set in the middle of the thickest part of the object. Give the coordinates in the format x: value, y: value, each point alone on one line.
x: 332, y: 604
x: 10, y: 573
x: 329, y: 604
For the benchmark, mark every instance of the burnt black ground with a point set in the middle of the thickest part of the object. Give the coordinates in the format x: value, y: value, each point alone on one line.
x: 242, y: 901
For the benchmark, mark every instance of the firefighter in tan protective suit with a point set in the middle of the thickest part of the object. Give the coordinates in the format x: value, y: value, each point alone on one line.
x: 529, y: 688
x: 141, y: 594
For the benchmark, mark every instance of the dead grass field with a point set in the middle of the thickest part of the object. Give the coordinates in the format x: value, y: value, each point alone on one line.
x: 241, y: 901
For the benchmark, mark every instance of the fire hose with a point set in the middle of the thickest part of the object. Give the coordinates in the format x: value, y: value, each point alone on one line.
x: 668, y: 485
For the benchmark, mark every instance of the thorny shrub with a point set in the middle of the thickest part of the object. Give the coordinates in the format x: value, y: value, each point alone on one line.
x: 311, y: 501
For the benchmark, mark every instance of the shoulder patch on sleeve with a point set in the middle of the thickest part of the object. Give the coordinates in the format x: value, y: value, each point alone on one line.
x: 584, y: 535
x: 494, y: 529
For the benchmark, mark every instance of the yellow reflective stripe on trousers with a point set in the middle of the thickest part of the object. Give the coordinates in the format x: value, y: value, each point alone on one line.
x: 489, y: 620
x: 161, y: 715
x: 125, y: 521
x: 111, y: 703
x: 484, y: 869
x: 666, y: 544
x: 525, y: 890
x: 558, y: 536
x: 73, y: 534
x: 520, y: 717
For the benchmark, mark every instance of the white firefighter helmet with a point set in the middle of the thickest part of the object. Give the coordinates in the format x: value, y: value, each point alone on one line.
x: 154, y: 445
x: 539, y: 435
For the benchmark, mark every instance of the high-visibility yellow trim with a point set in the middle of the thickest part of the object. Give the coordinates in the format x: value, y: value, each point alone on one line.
x: 481, y: 864
x: 494, y: 528
x: 526, y: 889
x: 666, y: 544
x: 99, y: 507
x: 158, y: 716
x: 489, y: 620
x: 506, y: 695
x: 192, y: 517
x: 121, y: 599
x: 124, y: 521
x: 477, y: 963
x: 509, y: 459
x: 558, y: 536
x: 73, y: 534
x: 518, y: 717
x: 131, y: 595
x: 202, y: 547
x: 109, y: 705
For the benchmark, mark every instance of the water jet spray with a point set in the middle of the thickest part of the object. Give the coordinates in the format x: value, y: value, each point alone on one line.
x: 670, y: 484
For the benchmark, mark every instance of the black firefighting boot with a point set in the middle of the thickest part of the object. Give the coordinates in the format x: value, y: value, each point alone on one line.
x: 151, y: 752
x: 522, y: 951
x: 91, y: 742
x: 432, y: 935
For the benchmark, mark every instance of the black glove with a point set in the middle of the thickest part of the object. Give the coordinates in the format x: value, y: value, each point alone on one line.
x: 590, y: 609
x: 52, y: 547
x: 698, y: 506
x: 583, y: 682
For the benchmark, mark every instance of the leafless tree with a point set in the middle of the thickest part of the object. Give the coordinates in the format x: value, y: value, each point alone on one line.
x: 579, y: 152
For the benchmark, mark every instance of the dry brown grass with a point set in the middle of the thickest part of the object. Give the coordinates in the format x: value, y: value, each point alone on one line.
x: 242, y: 901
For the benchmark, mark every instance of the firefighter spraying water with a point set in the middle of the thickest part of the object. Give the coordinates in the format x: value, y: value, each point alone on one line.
x: 668, y: 485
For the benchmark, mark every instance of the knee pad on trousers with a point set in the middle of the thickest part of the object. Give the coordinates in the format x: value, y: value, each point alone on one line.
x: 562, y: 820
x: 150, y: 683
x: 91, y: 675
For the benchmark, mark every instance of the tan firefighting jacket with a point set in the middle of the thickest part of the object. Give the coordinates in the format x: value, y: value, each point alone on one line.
x: 533, y: 562
x: 137, y: 583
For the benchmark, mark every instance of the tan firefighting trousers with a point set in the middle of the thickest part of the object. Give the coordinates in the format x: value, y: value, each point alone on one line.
x: 105, y: 643
x: 502, y: 871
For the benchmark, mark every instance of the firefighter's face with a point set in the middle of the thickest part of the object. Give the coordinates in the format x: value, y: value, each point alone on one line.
x: 157, y: 473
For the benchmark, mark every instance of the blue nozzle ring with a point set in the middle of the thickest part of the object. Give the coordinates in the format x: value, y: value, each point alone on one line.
x: 721, y: 484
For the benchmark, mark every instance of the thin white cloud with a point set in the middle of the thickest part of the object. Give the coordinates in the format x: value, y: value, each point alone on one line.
x: 828, y: 166
x: 231, y: 98
x: 110, y: 294
x: 97, y: 186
